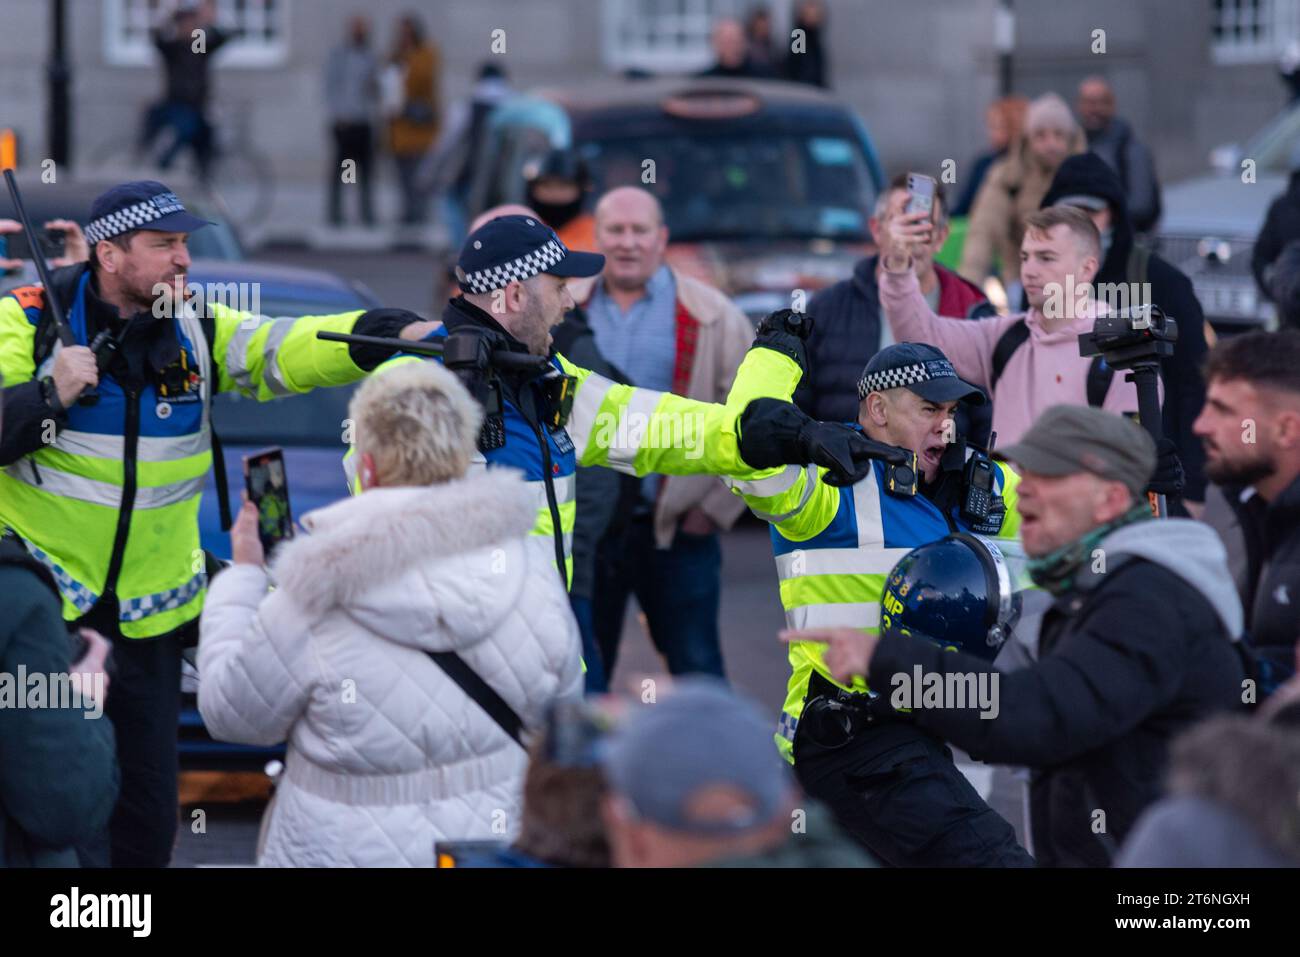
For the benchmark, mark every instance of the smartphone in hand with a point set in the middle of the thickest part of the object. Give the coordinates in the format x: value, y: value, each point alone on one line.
x: 920, y: 193
x: 268, y: 488
x: 15, y: 245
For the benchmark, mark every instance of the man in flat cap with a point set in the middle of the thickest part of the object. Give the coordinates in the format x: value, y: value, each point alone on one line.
x: 1140, y: 643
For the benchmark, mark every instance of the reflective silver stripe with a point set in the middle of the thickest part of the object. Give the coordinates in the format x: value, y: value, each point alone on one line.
x: 767, y: 487
x: 838, y: 561
x: 809, y: 484
x: 148, y: 448
x: 272, y: 374
x: 66, y: 485
x: 634, y: 429
x: 566, y: 487
x: 237, y: 350
x: 586, y: 404
x: 866, y: 508
x: 157, y: 496
x: 863, y: 614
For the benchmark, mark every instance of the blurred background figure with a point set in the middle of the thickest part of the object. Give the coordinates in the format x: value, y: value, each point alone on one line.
x: 1113, y: 139
x: 1004, y: 121
x: 758, y: 30
x: 695, y: 782
x: 557, y: 187
x: 1014, y: 188
x: 186, y: 64
x: 351, y: 99
x: 448, y: 169
x: 1275, y: 273
x: 413, y: 125
x: 809, y: 66
x: 731, y: 48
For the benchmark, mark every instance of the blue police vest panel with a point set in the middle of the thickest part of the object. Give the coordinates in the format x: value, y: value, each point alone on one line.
x: 906, y: 521
x: 160, y: 416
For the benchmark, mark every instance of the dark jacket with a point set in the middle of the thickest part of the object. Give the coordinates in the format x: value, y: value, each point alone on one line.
x: 1233, y: 783
x: 1171, y: 290
x: 1281, y: 226
x: 58, y: 773
x: 1127, y: 660
x: 1270, y: 588
x: 604, y: 497
x: 187, y: 69
x: 847, y: 326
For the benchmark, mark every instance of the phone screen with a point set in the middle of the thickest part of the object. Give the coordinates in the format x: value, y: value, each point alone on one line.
x: 268, y: 489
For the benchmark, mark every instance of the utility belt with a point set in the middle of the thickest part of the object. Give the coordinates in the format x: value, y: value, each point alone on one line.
x: 832, y: 716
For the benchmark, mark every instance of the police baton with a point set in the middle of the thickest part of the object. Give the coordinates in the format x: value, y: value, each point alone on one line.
x: 499, y: 358
x: 105, y: 345
x: 38, y: 258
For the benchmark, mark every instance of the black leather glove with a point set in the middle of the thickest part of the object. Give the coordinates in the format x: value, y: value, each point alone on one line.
x: 785, y: 331
x: 773, y: 432
x: 1169, y: 479
x: 384, y: 323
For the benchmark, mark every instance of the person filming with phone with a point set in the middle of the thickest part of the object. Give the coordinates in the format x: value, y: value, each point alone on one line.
x: 110, y: 370
x: 1027, y: 362
x: 415, y: 636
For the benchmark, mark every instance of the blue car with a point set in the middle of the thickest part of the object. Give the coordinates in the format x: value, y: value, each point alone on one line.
x: 309, y: 428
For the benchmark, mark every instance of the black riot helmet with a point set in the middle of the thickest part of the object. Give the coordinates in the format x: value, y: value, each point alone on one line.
x: 963, y: 592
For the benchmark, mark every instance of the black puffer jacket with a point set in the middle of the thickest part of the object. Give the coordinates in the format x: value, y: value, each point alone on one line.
x: 1087, y: 174
x: 1127, y: 660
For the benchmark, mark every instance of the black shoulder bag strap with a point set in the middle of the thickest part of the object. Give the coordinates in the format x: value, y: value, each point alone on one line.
x: 1017, y: 335
x: 209, y: 325
x: 469, y: 681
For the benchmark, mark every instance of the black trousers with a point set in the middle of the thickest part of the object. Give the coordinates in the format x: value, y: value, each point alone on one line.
x: 896, y: 789
x: 144, y: 705
x: 352, y: 141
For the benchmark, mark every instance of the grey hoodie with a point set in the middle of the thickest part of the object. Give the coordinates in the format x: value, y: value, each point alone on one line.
x: 1189, y: 549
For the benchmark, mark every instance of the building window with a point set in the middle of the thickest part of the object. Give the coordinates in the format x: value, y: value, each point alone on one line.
x: 1253, y: 31
x: 262, y: 27
x: 671, y: 36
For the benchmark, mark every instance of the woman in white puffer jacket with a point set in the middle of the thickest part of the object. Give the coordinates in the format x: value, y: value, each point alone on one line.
x: 386, y: 754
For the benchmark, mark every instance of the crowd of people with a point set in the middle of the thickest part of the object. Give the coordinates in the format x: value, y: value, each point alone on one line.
x: 437, y: 650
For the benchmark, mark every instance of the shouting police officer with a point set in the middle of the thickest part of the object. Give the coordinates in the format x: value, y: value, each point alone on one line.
x: 104, y: 488
x: 890, y: 784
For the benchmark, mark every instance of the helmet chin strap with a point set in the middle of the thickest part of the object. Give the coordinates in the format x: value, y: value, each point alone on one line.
x: 1055, y: 571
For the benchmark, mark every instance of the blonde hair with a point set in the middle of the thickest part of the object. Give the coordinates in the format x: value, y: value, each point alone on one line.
x: 417, y: 422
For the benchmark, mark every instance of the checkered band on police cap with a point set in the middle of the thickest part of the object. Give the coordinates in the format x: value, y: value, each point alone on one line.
x: 516, y: 270
x: 132, y: 217
x: 901, y: 376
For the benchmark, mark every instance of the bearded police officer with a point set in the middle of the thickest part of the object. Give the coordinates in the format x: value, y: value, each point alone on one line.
x: 104, y: 489
x: 547, y: 420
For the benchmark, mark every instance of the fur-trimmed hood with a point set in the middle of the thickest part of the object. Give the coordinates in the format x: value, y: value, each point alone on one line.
x: 444, y: 559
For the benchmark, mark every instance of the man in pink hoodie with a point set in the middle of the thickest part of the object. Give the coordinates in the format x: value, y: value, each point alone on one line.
x: 1058, y: 260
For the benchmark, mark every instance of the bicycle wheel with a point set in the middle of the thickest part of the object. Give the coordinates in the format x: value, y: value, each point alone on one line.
x: 243, y: 186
